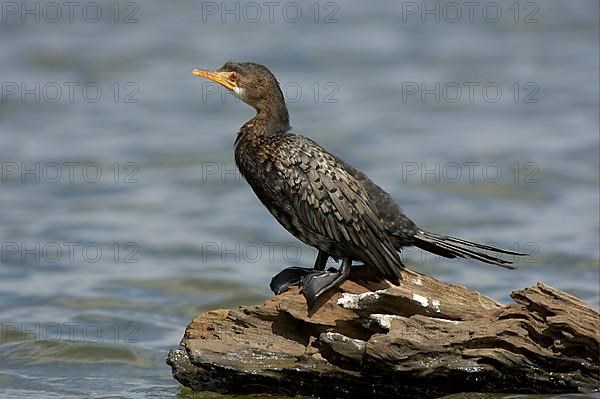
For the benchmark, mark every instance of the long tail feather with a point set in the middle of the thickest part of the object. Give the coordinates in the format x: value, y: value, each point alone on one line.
x: 447, y: 247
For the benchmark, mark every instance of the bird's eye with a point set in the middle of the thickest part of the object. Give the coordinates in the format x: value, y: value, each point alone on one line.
x: 233, y: 77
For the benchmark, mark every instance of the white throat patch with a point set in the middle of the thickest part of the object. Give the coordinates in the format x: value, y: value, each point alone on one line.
x: 239, y: 92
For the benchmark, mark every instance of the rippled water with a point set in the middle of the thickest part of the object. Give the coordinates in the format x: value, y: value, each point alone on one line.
x: 122, y: 216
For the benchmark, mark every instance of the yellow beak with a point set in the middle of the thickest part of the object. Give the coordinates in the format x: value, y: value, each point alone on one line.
x: 221, y: 78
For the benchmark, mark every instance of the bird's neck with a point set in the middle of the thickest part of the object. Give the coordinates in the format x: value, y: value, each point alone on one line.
x: 271, y: 118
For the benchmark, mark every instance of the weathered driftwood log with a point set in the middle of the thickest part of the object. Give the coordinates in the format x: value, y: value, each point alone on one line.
x: 424, y: 338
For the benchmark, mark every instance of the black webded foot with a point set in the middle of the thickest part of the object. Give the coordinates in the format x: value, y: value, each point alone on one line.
x: 294, y: 275
x: 317, y: 283
x: 288, y: 277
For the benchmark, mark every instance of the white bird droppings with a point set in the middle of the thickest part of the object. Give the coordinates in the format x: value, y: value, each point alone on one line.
x: 436, y: 305
x: 421, y: 299
x: 358, y: 301
x: 358, y: 343
x: 384, y: 320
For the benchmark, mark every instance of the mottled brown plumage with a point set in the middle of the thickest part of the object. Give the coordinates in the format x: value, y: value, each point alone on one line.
x: 319, y: 198
x: 312, y: 195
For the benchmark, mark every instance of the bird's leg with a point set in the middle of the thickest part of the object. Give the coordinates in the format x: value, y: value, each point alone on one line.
x: 293, y: 275
x: 316, y: 283
x: 321, y: 260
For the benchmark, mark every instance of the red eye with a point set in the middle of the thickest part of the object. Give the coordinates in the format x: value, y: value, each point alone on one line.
x: 233, y: 77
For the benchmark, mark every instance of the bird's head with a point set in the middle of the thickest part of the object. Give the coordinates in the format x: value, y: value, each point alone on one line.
x: 252, y: 83
x: 255, y: 85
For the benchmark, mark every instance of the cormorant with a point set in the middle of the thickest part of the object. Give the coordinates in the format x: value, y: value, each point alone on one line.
x: 319, y: 198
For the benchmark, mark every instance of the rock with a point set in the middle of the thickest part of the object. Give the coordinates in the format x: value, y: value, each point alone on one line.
x: 424, y: 338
